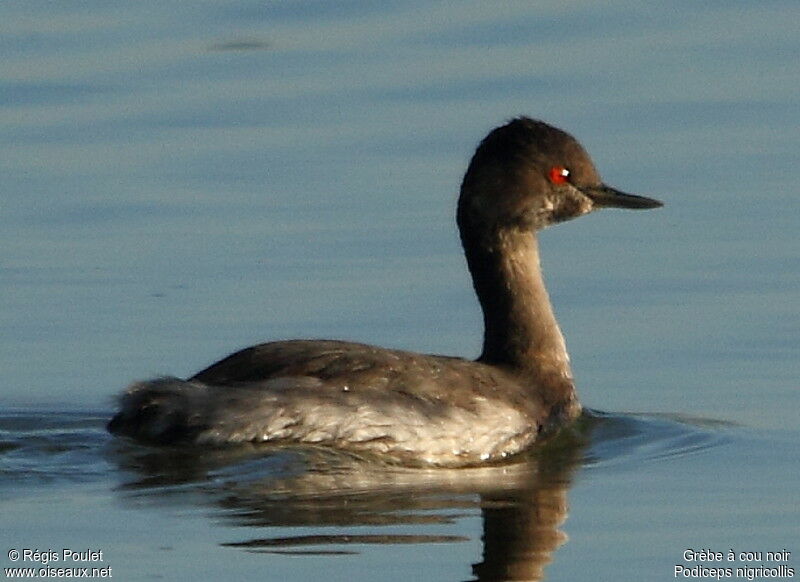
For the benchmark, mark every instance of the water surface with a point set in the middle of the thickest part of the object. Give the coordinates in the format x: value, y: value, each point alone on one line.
x: 181, y: 180
x: 288, y: 512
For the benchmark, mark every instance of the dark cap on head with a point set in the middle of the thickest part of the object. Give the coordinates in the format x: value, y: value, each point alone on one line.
x: 530, y: 174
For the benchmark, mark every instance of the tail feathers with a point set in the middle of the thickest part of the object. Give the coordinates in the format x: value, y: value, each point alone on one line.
x: 164, y: 410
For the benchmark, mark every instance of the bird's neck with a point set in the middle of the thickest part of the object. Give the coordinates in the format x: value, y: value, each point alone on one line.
x: 520, y: 330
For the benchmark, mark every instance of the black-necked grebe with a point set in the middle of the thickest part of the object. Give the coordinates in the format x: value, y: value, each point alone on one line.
x: 408, y: 407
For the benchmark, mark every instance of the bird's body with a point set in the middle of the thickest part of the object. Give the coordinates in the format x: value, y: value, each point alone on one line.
x: 414, y: 408
x: 410, y: 408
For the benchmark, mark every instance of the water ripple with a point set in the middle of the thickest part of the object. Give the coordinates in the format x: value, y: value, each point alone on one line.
x: 38, y: 447
x: 625, y: 439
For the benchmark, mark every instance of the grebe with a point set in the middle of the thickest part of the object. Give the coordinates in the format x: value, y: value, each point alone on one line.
x: 413, y: 408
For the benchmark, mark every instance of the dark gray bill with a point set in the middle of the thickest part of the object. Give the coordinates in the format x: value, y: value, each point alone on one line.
x: 606, y: 196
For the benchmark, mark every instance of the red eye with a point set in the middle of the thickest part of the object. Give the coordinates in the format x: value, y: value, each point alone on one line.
x: 559, y: 175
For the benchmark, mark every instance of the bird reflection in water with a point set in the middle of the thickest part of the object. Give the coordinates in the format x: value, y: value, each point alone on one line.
x: 522, y: 502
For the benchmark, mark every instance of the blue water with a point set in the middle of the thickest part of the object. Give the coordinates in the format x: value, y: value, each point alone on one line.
x: 180, y: 180
x: 651, y: 485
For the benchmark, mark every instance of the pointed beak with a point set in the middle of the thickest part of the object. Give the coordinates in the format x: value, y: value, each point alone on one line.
x: 607, y: 197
